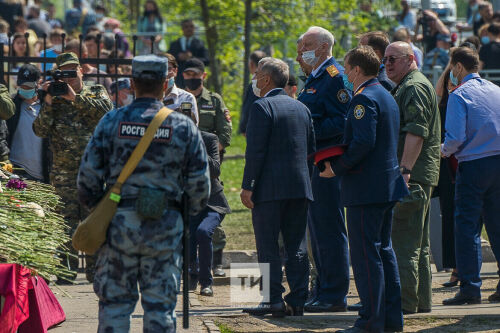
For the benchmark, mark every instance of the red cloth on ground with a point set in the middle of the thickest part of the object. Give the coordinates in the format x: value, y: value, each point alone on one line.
x: 14, y: 281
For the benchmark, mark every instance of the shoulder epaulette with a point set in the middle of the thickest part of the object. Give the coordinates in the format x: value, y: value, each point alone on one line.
x: 332, y: 70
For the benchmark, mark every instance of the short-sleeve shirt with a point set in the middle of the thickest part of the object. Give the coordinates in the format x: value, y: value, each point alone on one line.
x: 419, y: 115
x: 177, y: 97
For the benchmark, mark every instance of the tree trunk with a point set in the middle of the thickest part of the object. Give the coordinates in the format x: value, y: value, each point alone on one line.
x: 248, y: 32
x: 212, y: 41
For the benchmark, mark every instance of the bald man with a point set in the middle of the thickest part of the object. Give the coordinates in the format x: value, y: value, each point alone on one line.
x: 419, y: 157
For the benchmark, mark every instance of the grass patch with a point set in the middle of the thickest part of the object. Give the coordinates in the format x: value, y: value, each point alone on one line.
x: 223, y: 328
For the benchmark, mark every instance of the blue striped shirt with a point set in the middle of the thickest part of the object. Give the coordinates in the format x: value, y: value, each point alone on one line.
x: 473, y: 120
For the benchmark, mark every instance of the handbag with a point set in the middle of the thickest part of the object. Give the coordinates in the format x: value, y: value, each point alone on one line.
x: 91, y: 233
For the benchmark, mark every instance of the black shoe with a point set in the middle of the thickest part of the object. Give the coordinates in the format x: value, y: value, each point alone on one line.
x: 460, y: 299
x: 451, y: 283
x: 319, y: 306
x: 407, y: 312
x: 206, y: 291
x: 218, y: 271
x: 294, y: 311
x: 277, y: 310
x: 392, y: 329
x: 355, y: 307
x: 424, y: 310
x: 494, y: 298
x: 353, y: 329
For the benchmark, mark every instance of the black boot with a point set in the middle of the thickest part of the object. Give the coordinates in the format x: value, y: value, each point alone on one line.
x: 217, y: 264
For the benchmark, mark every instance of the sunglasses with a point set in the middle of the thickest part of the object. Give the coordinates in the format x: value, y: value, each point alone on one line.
x: 391, y: 59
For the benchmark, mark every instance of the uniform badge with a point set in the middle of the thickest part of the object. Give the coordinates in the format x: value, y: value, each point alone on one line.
x: 359, y: 111
x: 343, y: 96
x: 227, y: 114
x: 130, y: 130
x: 332, y: 70
x: 311, y: 91
x: 207, y: 107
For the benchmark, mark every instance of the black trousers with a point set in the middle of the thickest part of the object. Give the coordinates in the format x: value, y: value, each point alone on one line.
x: 446, y: 187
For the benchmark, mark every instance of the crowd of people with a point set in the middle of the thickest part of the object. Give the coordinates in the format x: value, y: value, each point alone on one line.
x: 379, y: 133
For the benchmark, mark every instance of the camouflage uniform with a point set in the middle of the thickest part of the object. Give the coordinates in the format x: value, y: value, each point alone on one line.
x: 215, y: 118
x: 7, y: 110
x: 68, y: 126
x: 139, y: 250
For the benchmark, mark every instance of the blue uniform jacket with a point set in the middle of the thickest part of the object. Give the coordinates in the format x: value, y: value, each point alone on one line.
x: 280, y: 136
x: 176, y: 160
x: 369, y: 167
x: 327, y: 98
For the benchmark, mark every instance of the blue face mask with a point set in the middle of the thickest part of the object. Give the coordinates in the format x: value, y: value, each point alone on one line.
x: 348, y: 85
x: 453, y: 79
x: 26, y: 93
x: 485, y: 40
x: 171, y: 82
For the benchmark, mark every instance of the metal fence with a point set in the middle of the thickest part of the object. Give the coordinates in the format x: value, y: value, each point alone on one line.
x: 8, y: 60
x: 434, y: 74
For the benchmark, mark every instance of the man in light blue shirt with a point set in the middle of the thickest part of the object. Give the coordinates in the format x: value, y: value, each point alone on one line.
x: 473, y: 137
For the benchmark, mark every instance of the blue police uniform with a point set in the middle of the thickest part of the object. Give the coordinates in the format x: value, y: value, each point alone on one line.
x: 140, y: 250
x: 327, y: 99
x: 371, y: 184
x: 472, y: 135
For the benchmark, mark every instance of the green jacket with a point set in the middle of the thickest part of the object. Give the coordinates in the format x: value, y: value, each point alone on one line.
x: 69, y: 126
x: 419, y: 115
x: 214, y: 116
x: 7, y: 110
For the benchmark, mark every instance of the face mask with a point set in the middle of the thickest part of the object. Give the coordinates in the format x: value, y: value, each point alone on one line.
x: 171, y: 82
x: 129, y: 99
x: 348, y: 85
x: 27, y: 93
x: 57, y: 47
x: 256, y: 91
x: 102, y: 67
x: 485, y: 40
x: 309, y: 57
x: 453, y: 79
x: 192, y: 84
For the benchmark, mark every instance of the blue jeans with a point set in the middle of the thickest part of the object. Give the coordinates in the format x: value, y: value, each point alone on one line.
x: 201, y: 228
x: 477, y: 191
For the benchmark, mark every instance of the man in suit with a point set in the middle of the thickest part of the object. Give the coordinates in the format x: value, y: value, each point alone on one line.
x: 371, y: 184
x: 276, y: 184
x: 327, y: 97
x: 202, y: 226
x: 187, y: 47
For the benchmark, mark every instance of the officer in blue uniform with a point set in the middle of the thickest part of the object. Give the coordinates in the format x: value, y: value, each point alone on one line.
x: 327, y: 98
x: 371, y: 184
x: 140, y: 250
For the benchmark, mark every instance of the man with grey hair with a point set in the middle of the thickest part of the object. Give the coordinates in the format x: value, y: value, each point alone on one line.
x: 419, y: 157
x: 276, y: 185
x: 327, y: 97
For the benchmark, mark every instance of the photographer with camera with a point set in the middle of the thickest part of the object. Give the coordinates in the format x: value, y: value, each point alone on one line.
x: 432, y: 26
x: 70, y: 112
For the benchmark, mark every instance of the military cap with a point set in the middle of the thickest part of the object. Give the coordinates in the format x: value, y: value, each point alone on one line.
x: 149, y: 67
x: 67, y: 58
x: 195, y: 65
x: 28, y: 75
x: 327, y: 154
x: 123, y: 83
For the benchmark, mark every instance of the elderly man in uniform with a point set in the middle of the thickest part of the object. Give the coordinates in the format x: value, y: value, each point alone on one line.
x: 472, y: 136
x: 370, y: 162
x: 327, y: 98
x: 176, y: 98
x: 68, y: 121
x: 138, y: 250
x: 214, y: 118
x: 280, y: 136
x: 419, y: 157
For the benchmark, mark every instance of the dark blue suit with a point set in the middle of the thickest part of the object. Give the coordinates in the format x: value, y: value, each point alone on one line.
x: 371, y: 183
x: 280, y: 136
x: 327, y: 98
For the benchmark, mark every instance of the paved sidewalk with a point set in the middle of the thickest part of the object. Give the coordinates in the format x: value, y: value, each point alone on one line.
x: 80, y: 304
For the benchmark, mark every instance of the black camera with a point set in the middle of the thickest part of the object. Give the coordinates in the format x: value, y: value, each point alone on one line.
x: 58, y: 87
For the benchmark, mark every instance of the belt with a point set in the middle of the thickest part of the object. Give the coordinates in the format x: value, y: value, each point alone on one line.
x: 171, y: 204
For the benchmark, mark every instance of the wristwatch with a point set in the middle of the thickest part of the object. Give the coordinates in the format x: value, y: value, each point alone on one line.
x: 404, y: 170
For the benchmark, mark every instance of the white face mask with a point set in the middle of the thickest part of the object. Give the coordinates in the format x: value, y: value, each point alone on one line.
x: 128, y: 100
x: 57, y: 47
x: 256, y: 90
x: 310, y: 57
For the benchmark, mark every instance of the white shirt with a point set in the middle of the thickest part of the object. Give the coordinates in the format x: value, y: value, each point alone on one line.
x: 315, y: 72
x: 177, y: 96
